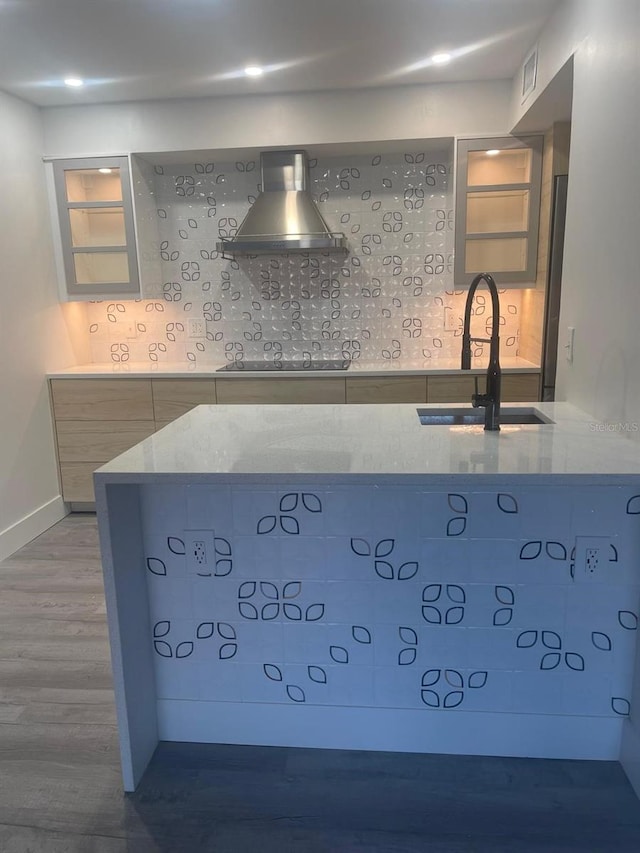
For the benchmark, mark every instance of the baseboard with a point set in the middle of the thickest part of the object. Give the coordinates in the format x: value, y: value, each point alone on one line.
x: 391, y: 729
x: 32, y: 525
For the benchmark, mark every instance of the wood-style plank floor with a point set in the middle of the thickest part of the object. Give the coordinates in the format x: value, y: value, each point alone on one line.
x: 60, y: 789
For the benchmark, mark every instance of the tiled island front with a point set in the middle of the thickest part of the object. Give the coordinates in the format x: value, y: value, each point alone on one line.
x: 476, y: 610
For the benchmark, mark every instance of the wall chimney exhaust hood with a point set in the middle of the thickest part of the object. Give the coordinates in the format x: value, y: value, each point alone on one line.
x: 284, y: 217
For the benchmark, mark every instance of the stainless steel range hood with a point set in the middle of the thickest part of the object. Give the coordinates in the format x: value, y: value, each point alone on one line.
x: 284, y: 217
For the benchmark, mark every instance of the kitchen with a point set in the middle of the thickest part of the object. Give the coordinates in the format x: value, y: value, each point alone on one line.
x: 602, y: 215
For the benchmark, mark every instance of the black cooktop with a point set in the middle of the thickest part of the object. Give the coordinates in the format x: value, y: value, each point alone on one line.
x: 274, y: 366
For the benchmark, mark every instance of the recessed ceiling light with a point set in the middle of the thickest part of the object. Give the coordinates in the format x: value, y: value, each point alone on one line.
x: 74, y: 82
x: 441, y: 58
x: 105, y: 171
x: 492, y: 152
x: 253, y: 71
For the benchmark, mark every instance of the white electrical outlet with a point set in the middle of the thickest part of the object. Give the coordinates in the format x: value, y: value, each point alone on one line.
x: 200, y: 550
x: 130, y: 330
x: 593, y: 554
x: 196, y: 328
x: 451, y: 321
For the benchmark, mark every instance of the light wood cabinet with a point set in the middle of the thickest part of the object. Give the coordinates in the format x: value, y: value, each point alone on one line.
x: 76, y: 479
x: 99, y: 441
x: 174, y: 397
x: 516, y: 388
x: 97, y: 419
x: 387, y: 389
x: 281, y: 391
x: 450, y: 389
x: 102, y: 399
x: 520, y: 387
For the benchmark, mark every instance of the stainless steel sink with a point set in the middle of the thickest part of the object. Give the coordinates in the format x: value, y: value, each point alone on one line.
x: 455, y: 416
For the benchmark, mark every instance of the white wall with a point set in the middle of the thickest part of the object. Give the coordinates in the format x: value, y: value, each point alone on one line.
x: 562, y: 36
x: 33, y: 332
x: 601, y: 280
x: 408, y: 112
x: 601, y: 275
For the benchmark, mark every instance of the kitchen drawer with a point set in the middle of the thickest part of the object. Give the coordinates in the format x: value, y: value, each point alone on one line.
x: 102, y: 399
x: 451, y: 389
x: 401, y: 389
x: 77, y: 481
x: 99, y: 441
x: 516, y: 388
x: 280, y: 391
x: 175, y: 397
x: 520, y: 387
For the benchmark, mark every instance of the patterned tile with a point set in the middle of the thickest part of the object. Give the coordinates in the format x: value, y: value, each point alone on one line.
x: 402, y: 609
x: 385, y: 301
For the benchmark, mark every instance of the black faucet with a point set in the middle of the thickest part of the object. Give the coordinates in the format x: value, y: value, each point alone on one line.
x: 490, y: 400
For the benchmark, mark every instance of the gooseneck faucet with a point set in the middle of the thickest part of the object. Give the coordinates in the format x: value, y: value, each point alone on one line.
x: 490, y: 400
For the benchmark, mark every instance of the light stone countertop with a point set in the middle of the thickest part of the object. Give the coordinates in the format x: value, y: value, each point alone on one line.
x: 357, y: 368
x: 374, y: 443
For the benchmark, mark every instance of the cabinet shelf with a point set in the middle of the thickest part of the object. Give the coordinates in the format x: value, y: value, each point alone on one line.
x: 497, y: 209
x: 97, y: 233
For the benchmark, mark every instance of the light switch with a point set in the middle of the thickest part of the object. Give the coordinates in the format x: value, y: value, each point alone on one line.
x: 568, y: 347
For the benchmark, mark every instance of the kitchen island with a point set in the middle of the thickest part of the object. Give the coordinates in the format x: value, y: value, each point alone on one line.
x: 345, y: 577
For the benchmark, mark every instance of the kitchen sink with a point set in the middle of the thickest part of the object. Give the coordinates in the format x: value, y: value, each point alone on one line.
x: 455, y: 416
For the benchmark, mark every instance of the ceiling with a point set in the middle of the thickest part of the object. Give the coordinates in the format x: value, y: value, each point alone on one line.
x: 143, y: 49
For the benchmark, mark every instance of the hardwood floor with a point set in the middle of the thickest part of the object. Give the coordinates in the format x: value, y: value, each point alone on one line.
x: 60, y: 789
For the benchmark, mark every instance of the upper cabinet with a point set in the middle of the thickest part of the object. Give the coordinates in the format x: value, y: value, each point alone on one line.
x: 497, y: 209
x: 95, y: 214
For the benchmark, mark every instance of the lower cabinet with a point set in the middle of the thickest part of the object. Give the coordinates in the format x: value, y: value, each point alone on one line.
x: 173, y: 398
x: 76, y: 481
x: 102, y: 399
x: 280, y: 390
x: 515, y: 388
x: 520, y: 387
x: 387, y: 389
x: 99, y: 441
x: 97, y: 419
x: 85, y: 445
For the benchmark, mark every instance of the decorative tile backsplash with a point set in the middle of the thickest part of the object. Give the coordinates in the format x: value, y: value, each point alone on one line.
x: 386, y: 300
x: 395, y: 597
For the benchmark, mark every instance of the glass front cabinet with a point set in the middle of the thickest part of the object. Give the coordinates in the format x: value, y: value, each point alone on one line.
x: 95, y: 213
x: 497, y: 209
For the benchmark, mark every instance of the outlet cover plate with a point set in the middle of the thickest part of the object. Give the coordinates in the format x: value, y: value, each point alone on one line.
x: 593, y: 560
x: 196, y: 328
x: 131, y: 330
x: 200, y: 551
x: 451, y: 320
